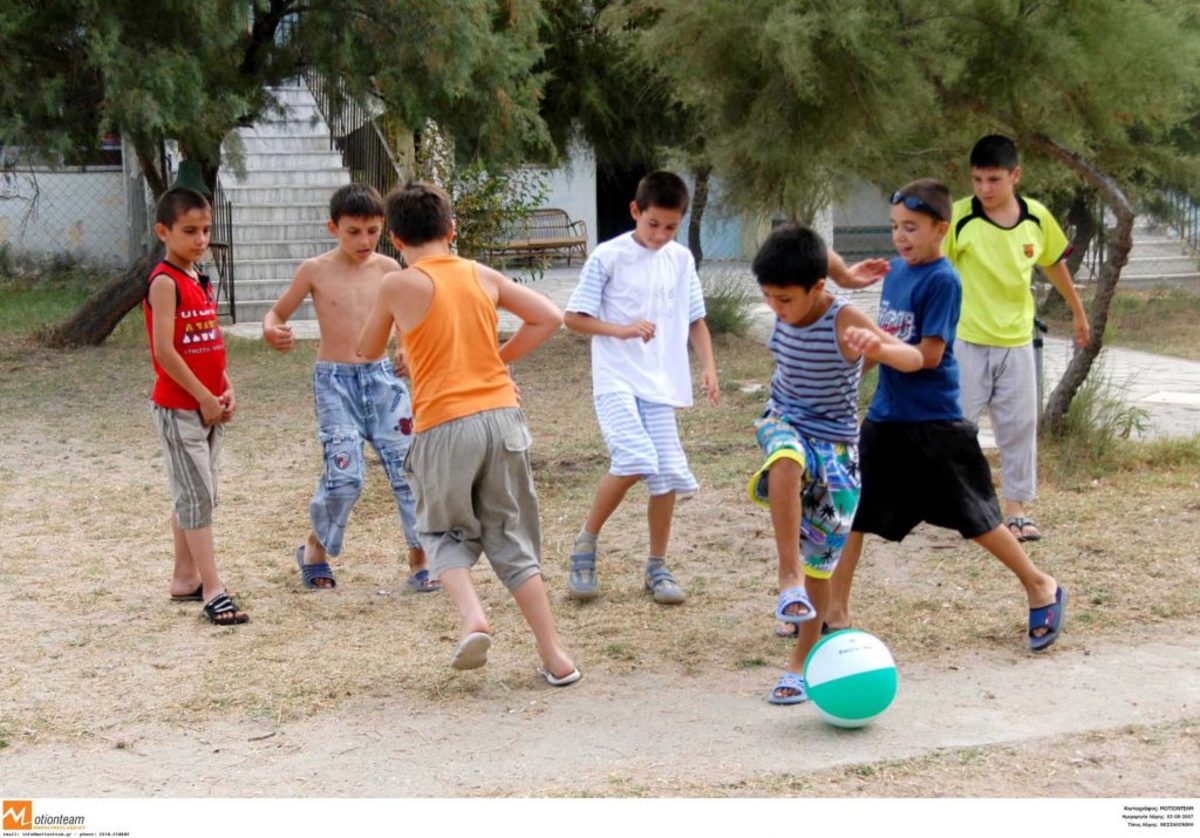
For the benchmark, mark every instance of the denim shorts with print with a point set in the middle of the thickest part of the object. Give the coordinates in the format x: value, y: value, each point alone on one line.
x: 359, y: 403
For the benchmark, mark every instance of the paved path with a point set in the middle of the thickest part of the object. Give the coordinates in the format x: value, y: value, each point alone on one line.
x: 1168, y: 389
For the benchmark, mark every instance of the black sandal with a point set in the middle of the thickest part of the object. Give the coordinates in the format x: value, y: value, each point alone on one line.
x: 221, y: 610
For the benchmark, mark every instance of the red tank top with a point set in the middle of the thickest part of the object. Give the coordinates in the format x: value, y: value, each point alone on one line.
x: 197, y: 338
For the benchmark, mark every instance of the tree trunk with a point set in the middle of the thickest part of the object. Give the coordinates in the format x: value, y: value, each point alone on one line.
x: 1083, y: 230
x: 1055, y: 414
x: 699, y: 202
x: 103, y: 310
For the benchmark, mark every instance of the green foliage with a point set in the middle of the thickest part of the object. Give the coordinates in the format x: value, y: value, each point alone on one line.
x: 729, y: 302
x: 598, y: 86
x: 488, y: 201
x: 793, y: 95
x: 37, y: 292
x: 1098, y: 421
x: 191, y: 72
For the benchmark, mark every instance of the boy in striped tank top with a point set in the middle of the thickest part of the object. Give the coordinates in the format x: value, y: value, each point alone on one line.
x: 469, y: 460
x: 809, y: 431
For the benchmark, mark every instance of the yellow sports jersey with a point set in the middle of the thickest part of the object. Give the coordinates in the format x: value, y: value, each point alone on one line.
x: 995, y: 265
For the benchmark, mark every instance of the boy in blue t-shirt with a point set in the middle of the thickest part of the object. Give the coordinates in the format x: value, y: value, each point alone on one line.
x: 920, y: 459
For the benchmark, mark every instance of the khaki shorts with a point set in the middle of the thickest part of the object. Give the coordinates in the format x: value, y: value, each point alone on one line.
x: 475, y: 493
x: 191, y: 452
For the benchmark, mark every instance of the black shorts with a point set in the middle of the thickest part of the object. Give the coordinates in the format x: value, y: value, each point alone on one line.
x: 924, y: 471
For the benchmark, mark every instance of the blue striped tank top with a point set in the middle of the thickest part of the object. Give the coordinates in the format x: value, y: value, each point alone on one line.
x: 814, y: 387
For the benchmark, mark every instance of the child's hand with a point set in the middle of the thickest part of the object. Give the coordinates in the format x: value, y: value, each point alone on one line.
x: 1083, y: 331
x: 708, y: 383
x: 401, y: 362
x: 211, y: 409
x: 228, y: 404
x: 866, y: 273
x: 863, y: 341
x: 643, y: 329
x: 279, y: 338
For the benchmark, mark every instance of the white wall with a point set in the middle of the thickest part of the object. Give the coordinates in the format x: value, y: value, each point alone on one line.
x: 572, y: 187
x: 78, y: 212
x: 864, y: 205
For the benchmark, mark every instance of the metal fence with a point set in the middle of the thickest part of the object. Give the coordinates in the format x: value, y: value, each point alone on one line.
x: 80, y: 212
x: 355, y: 132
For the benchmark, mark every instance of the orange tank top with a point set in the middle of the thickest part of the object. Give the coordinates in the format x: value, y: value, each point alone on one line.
x: 453, y: 353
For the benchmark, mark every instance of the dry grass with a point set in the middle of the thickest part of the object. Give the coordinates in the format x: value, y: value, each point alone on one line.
x: 92, y: 640
x: 1162, y: 320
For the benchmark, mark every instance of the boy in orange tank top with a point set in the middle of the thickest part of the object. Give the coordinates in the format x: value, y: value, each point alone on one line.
x: 469, y: 460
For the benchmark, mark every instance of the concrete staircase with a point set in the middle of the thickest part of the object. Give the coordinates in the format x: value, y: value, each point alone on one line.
x: 1158, y: 257
x: 280, y: 207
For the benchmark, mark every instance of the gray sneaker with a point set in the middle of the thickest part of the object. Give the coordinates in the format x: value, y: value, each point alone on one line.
x: 583, y: 583
x: 664, y: 586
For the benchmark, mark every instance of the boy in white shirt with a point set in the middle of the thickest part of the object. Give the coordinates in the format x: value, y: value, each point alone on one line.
x: 640, y: 298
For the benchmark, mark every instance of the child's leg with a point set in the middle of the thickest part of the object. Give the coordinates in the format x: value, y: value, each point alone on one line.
x: 185, y: 578
x: 1014, y: 419
x: 838, y: 614
x: 202, y: 551
x: 457, y: 582
x: 535, y: 606
x: 609, y: 495
x: 1040, y: 587
x: 809, y: 633
x: 783, y: 492
x: 660, y: 510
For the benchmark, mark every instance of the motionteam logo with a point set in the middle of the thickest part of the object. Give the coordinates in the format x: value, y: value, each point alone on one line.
x: 17, y: 816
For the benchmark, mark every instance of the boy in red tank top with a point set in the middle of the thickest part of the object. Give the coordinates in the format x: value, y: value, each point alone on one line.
x: 469, y: 461
x: 192, y: 397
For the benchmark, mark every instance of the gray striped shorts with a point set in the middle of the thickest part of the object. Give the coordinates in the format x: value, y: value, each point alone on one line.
x: 191, y: 452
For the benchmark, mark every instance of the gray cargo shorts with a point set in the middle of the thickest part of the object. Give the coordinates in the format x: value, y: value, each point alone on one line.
x: 475, y: 493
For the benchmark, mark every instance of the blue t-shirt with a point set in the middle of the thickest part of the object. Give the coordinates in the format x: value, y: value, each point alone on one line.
x: 919, y: 301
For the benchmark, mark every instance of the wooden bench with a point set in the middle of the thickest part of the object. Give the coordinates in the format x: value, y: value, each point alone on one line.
x: 542, y: 235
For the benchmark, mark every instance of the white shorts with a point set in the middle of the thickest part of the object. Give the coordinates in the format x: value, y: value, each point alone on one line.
x: 643, y: 440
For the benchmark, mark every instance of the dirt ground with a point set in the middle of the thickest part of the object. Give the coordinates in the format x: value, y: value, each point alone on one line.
x: 109, y: 689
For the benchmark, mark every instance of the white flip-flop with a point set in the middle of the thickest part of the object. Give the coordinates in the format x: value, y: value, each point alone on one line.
x: 565, y: 681
x: 472, y: 651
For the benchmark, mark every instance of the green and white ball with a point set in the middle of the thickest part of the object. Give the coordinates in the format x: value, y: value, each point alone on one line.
x: 851, y: 677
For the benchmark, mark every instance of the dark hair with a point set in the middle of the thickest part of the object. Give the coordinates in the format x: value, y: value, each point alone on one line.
x: 176, y: 202
x: 995, y: 151
x: 927, y: 195
x: 358, y: 200
x: 419, y: 212
x: 791, y: 255
x: 662, y: 189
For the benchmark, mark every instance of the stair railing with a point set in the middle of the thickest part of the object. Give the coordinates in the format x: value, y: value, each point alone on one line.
x: 354, y: 131
x: 221, y: 247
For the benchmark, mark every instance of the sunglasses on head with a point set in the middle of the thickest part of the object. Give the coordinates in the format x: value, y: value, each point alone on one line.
x: 915, y: 204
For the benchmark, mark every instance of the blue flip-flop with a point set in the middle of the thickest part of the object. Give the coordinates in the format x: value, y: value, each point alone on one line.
x: 1048, y: 617
x: 789, y: 681
x: 310, y: 573
x: 421, y: 583
x: 790, y: 597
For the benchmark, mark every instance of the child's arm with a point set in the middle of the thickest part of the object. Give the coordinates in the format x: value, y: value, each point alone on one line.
x: 1060, y: 277
x: 373, y: 339
x: 276, y: 332
x: 540, y: 317
x: 162, y: 308
x: 858, y: 336
x: 859, y: 275
x: 702, y: 343
x: 585, y: 324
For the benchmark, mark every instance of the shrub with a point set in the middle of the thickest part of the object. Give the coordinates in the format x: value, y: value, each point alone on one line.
x: 729, y: 301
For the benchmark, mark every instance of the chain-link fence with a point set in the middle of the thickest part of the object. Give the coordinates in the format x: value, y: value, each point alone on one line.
x: 95, y: 214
